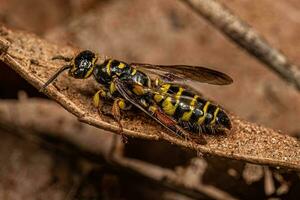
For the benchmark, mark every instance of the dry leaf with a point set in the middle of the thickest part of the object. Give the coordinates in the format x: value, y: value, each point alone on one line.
x: 31, y: 56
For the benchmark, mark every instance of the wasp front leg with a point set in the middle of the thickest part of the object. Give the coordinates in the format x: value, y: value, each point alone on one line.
x: 101, y: 94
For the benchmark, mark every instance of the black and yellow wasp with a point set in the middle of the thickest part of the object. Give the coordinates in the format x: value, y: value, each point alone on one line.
x: 161, y: 91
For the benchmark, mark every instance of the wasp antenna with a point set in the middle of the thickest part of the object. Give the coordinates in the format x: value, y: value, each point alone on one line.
x: 65, y: 67
x: 60, y: 57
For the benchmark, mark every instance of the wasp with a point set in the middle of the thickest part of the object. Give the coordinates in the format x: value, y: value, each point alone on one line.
x: 163, y: 92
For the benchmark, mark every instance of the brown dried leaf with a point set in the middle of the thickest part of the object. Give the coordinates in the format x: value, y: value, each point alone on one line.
x: 31, y: 56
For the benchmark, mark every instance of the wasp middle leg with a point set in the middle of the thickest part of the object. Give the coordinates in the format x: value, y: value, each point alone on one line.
x: 118, y: 105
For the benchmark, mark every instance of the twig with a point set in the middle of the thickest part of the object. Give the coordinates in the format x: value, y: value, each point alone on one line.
x: 245, y: 36
x: 172, y: 180
x: 45, y: 118
x: 246, y: 141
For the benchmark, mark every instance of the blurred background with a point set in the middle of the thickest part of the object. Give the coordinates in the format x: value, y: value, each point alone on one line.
x: 158, y: 32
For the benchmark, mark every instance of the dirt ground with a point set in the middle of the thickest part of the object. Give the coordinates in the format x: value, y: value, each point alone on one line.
x: 159, y: 32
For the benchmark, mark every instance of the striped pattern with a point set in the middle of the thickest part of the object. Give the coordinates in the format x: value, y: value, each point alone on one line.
x: 193, y: 112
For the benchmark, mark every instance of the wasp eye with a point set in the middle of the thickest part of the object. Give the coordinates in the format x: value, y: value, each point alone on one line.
x: 83, y: 64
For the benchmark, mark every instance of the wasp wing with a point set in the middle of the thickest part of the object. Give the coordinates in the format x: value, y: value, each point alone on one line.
x: 182, y: 73
x: 159, y: 116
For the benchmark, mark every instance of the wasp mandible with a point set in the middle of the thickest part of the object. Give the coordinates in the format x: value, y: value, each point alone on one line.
x: 161, y: 91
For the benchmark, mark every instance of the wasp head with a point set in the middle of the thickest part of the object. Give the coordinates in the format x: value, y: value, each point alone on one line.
x: 81, y: 66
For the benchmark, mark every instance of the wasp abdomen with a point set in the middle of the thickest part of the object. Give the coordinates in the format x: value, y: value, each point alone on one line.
x: 191, y: 111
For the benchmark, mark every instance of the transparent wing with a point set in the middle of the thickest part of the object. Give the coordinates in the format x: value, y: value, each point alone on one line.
x: 181, y: 73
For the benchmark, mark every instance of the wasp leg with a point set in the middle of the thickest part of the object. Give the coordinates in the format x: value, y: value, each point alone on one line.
x: 118, y: 105
x: 102, y: 93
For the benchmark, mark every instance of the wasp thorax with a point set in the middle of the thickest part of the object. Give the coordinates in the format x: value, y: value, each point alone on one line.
x: 83, y: 64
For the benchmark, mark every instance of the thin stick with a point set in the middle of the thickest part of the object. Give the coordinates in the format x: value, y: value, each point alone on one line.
x: 248, y: 38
